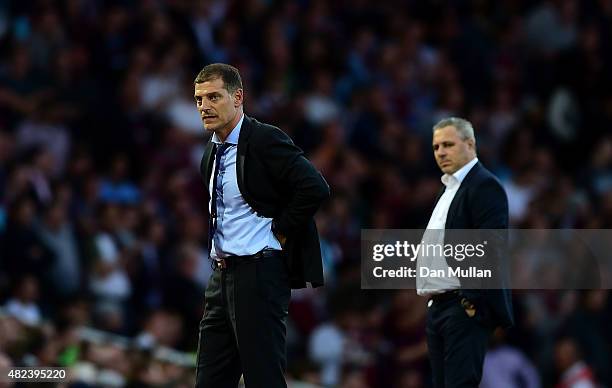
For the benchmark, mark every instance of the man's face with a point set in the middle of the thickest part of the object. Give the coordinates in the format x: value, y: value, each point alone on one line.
x: 219, y: 110
x: 451, y: 151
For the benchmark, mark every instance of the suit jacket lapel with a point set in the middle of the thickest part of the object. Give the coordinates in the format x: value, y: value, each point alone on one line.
x: 439, y: 196
x: 206, y: 164
x: 452, y: 210
x: 243, y: 145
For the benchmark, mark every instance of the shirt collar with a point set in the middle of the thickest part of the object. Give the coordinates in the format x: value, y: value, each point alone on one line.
x: 459, y: 175
x: 233, y: 136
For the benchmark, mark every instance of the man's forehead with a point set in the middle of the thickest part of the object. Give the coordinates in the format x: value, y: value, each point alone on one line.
x: 211, y: 86
x: 445, y: 133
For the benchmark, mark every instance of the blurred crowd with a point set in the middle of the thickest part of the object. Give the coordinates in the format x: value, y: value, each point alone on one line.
x: 103, y: 221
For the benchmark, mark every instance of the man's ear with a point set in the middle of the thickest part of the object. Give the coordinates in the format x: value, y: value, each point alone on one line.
x: 238, y: 97
x: 472, y: 144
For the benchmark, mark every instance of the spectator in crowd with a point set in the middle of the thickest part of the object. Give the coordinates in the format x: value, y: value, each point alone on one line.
x: 64, y: 277
x: 587, y: 326
x: 23, y: 304
x: 573, y: 371
x: 507, y: 367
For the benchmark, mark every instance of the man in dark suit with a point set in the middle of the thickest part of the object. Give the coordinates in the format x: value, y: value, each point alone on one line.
x: 263, y: 194
x: 460, y: 319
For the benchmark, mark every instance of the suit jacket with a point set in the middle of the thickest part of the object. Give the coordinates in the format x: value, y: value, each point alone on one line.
x: 278, y: 182
x: 481, y: 205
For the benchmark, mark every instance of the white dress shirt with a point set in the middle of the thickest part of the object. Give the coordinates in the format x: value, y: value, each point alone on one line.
x: 434, y: 234
x: 240, y: 230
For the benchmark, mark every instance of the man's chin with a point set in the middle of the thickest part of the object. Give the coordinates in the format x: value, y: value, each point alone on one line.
x: 209, y: 128
x: 447, y: 169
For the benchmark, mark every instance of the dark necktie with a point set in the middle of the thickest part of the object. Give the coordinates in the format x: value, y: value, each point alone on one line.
x: 212, y: 220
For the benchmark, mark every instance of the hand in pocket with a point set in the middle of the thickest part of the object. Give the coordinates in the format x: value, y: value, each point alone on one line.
x: 469, y: 307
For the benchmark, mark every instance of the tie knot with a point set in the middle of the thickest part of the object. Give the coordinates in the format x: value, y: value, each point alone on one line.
x: 220, y: 149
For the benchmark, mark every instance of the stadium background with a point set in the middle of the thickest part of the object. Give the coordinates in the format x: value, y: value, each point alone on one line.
x: 102, y: 218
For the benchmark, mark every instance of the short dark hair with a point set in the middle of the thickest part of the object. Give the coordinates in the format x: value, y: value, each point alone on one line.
x: 228, y: 74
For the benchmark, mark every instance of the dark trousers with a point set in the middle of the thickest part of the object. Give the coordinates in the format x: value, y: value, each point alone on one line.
x: 457, y: 344
x: 243, y: 331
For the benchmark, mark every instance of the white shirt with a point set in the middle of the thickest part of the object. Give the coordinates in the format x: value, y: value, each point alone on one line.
x: 429, y: 285
x: 240, y: 230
